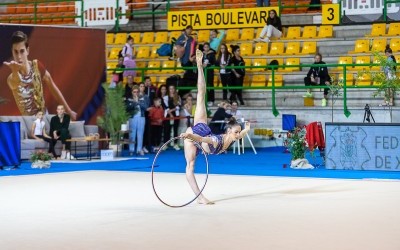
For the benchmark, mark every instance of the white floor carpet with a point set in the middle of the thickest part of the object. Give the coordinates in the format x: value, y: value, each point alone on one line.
x: 118, y: 210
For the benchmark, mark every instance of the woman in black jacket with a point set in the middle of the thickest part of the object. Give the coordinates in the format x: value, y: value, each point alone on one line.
x: 209, y: 61
x: 217, y: 124
x: 225, y: 74
x: 237, y: 75
x: 273, y: 28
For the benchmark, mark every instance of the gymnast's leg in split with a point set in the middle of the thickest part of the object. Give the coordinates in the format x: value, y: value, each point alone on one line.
x: 200, y: 116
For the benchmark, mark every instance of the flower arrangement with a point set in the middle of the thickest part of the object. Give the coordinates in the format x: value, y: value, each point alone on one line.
x: 296, y: 143
x: 40, y: 156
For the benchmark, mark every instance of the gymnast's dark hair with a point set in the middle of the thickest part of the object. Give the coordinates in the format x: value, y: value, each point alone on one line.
x: 232, y: 123
x: 388, y: 49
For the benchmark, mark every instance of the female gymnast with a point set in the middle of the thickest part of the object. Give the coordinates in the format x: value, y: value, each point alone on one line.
x: 201, y: 133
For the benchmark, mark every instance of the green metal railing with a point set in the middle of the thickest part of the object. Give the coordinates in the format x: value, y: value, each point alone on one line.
x: 36, y: 15
x: 385, y: 3
x: 273, y: 88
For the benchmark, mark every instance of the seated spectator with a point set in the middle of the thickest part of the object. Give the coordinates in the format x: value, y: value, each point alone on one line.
x: 318, y: 75
x: 262, y: 3
x: 59, y: 125
x: 273, y: 28
x: 312, y: 2
x: 38, y: 132
x: 235, y: 112
x: 217, y: 124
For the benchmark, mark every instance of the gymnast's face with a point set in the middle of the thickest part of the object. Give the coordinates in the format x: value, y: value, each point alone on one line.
x: 20, y: 52
x: 234, y: 132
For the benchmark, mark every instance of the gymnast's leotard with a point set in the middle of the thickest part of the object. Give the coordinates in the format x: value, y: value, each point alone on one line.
x: 203, y: 130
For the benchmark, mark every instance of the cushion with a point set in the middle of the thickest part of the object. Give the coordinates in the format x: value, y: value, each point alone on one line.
x: 76, y: 129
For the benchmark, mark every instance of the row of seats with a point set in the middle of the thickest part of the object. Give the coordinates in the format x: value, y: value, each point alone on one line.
x: 361, y: 60
x: 245, y: 34
x: 247, y: 49
x: 379, y: 29
x: 366, y: 45
x: 51, y: 7
x: 47, y: 18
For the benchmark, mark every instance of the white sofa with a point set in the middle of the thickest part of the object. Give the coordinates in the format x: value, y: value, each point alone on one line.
x: 77, y: 129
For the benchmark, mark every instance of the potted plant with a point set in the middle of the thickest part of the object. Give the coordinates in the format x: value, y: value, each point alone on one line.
x: 114, y: 112
x: 297, y: 145
x: 41, y: 159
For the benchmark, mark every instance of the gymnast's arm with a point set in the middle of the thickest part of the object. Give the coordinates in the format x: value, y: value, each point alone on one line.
x: 198, y: 138
x: 245, y: 130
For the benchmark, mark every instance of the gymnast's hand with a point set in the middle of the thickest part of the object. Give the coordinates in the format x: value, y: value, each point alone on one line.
x: 184, y: 135
x: 14, y: 66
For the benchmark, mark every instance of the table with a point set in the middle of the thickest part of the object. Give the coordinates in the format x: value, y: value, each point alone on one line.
x: 89, y: 141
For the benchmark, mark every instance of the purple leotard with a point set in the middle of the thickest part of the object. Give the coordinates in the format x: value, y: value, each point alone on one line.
x: 203, y: 130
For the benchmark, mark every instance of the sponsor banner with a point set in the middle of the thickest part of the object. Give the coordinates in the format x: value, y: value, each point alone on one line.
x: 363, y: 146
x: 219, y: 19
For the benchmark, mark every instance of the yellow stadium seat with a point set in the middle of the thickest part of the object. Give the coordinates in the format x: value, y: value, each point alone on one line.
x: 277, y: 48
x: 278, y: 80
x: 362, y: 60
x: 246, y: 81
x: 141, y: 64
x: 120, y: 38
x: 246, y: 49
x: 153, y: 52
x: 376, y: 83
x: 361, y: 46
x: 111, y: 65
x: 394, y: 29
x: 280, y: 63
x: 379, y: 45
x: 325, y: 31
x: 261, y: 49
x: 378, y: 29
x: 363, y: 80
x: 232, y: 35
x: 174, y: 34
x: 293, y: 33
x: 376, y: 61
x: 110, y: 38
x: 247, y: 62
x: 203, y: 36
x: 349, y: 79
x: 247, y: 34
x: 293, y: 48
x: 143, y: 52
x: 258, y: 33
x: 259, y: 80
x: 168, y: 64
x: 395, y: 45
x: 136, y: 37
x: 137, y: 79
x: 309, y: 48
x: 114, y: 53
x: 148, y: 37
x: 345, y: 60
x: 259, y: 62
x: 161, y: 80
x: 151, y: 65
x: 309, y: 32
x: 161, y: 37
x: 292, y: 61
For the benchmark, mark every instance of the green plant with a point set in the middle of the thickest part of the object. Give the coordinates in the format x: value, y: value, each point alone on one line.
x: 296, y: 143
x: 40, y: 156
x: 387, y: 86
x: 114, y: 112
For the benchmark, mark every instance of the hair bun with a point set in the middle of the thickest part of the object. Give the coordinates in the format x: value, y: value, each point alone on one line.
x: 387, y: 46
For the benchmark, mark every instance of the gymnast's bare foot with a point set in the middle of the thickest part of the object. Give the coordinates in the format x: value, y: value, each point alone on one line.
x: 199, y: 57
x: 204, y: 201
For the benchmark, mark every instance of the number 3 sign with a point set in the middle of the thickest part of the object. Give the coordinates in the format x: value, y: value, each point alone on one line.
x: 330, y: 14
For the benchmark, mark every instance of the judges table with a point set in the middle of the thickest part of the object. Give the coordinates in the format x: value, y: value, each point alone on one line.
x: 239, y: 144
x: 10, y: 144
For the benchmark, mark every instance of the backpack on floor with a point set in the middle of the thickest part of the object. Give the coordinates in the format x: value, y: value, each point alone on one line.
x: 164, y: 50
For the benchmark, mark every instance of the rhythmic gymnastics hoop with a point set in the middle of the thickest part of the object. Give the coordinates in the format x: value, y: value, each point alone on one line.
x: 198, y: 145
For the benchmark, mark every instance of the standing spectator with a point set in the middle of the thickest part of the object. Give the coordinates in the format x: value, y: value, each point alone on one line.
x: 209, y: 61
x: 225, y: 74
x: 129, y: 62
x: 273, y: 28
x: 188, y: 109
x: 318, y: 75
x: 137, y: 107
x: 38, y: 132
x: 216, y: 38
x: 156, y: 116
x: 390, y: 74
x: 185, y: 47
x: 150, y: 90
x: 59, y: 125
x: 118, y: 74
x: 235, y: 112
x: 162, y: 91
x: 172, y: 103
x: 128, y: 88
x: 237, y: 74
x: 262, y: 3
x: 217, y: 123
